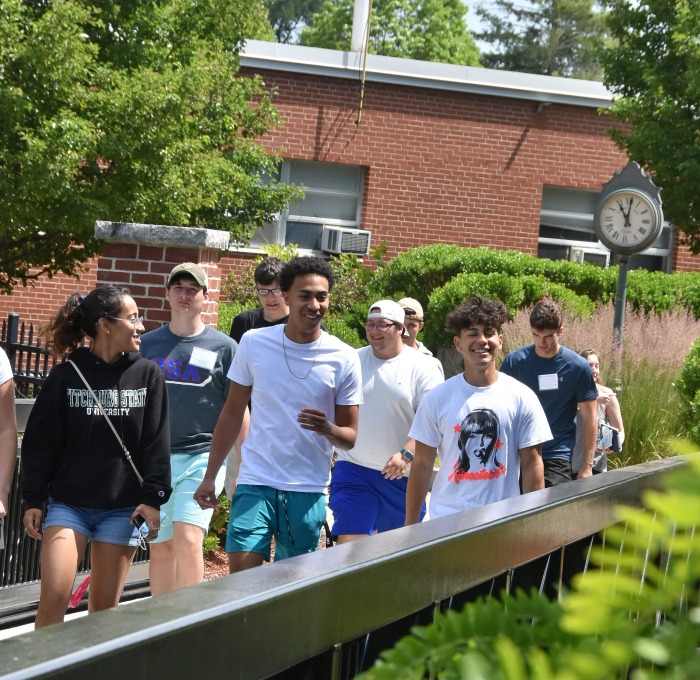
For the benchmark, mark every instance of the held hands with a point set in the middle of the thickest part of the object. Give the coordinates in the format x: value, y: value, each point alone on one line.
x: 314, y: 420
x: 395, y: 467
x: 32, y: 523
x: 152, y: 517
x: 585, y: 471
x: 205, y: 495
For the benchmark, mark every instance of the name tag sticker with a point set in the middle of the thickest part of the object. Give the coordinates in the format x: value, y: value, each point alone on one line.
x: 548, y: 381
x: 203, y: 358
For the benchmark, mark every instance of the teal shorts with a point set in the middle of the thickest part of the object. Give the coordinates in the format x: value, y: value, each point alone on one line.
x: 187, y: 472
x: 295, y: 518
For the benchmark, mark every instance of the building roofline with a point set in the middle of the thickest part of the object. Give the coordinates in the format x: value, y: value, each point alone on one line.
x: 257, y: 54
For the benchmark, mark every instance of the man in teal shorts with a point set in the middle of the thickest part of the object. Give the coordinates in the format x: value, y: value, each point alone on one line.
x: 305, y: 389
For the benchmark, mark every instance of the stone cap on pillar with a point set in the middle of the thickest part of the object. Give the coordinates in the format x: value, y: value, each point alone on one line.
x: 161, y: 235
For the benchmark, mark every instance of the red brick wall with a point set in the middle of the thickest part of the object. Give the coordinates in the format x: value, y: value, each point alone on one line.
x: 440, y: 167
x: 36, y: 304
x: 446, y: 166
x: 144, y: 270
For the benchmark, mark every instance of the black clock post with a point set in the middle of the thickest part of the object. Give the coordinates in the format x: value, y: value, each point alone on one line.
x: 628, y: 219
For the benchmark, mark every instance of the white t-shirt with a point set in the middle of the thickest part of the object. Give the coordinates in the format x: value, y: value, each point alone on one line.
x: 392, y: 390
x: 5, y: 368
x: 478, y: 432
x: 277, y: 452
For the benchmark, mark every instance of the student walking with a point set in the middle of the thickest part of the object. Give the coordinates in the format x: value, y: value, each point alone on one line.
x: 305, y: 388
x: 94, y: 408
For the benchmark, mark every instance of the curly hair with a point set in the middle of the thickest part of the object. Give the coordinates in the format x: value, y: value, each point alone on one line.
x: 477, y: 311
x: 268, y: 271
x: 306, y: 264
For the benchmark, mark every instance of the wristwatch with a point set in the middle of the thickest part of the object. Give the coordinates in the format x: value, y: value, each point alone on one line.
x: 406, y: 455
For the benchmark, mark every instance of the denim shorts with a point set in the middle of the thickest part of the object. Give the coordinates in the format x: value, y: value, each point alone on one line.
x: 106, y: 526
x: 186, y: 473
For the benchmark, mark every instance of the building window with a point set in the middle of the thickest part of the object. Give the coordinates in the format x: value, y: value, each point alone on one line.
x: 333, y: 197
x: 567, y: 233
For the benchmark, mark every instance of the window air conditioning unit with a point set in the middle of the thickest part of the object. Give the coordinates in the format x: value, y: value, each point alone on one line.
x: 343, y: 240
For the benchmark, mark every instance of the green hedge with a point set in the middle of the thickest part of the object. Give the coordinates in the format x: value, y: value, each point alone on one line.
x: 514, y: 292
x: 420, y: 272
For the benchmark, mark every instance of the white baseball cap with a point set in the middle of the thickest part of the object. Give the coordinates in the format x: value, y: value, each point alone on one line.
x: 389, y: 310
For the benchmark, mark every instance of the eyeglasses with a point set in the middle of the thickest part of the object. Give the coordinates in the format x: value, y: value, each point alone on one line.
x: 381, y: 328
x: 264, y: 292
x: 135, y: 322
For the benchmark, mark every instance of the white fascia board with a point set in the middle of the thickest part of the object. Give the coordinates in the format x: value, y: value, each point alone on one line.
x: 257, y: 54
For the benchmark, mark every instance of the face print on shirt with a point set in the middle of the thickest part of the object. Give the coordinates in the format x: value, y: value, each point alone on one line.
x: 479, y: 445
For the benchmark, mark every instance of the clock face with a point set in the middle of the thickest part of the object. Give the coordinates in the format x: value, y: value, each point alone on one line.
x: 628, y: 221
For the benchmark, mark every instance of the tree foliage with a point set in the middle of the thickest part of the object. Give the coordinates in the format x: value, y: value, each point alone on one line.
x: 549, y: 37
x: 431, y: 30
x: 288, y: 17
x: 126, y: 111
x: 653, y: 70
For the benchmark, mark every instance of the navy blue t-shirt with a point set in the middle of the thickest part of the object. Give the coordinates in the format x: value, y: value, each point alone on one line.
x: 560, y: 383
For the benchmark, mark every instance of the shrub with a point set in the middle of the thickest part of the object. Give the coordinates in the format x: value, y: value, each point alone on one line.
x: 688, y: 386
x: 227, y: 310
x: 627, y: 618
x: 422, y: 271
x: 514, y: 292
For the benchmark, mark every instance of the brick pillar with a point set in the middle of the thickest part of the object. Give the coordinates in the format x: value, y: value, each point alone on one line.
x: 140, y: 257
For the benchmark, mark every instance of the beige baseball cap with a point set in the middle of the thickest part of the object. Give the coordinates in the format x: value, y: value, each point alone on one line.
x: 412, y: 308
x: 196, y: 271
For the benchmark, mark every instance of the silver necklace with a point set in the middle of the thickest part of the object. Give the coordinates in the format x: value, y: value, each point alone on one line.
x: 286, y: 361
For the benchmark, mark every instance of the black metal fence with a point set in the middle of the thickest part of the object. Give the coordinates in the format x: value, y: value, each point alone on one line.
x: 30, y: 361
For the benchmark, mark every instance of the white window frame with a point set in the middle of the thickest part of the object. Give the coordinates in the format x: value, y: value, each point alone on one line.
x: 275, y: 232
x: 553, y: 213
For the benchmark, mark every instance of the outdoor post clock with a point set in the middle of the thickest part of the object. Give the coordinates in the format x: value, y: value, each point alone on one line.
x: 628, y: 217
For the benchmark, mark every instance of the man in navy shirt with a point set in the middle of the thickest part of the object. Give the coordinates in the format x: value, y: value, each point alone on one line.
x: 563, y: 383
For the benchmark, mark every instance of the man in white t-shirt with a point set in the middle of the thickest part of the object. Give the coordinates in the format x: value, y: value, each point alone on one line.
x: 368, y: 485
x: 305, y: 389
x: 486, y: 427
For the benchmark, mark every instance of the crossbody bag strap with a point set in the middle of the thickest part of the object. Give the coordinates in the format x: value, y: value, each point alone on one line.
x: 109, y: 422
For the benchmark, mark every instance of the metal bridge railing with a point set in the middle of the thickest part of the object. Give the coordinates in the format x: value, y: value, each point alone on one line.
x: 326, y: 615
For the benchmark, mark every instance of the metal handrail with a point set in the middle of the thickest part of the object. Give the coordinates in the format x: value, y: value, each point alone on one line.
x: 258, y: 623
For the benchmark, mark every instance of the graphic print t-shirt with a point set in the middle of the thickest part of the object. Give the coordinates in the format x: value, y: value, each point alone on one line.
x: 478, y: 432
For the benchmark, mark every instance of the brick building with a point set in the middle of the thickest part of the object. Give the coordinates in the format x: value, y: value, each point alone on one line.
x: 411, y: 153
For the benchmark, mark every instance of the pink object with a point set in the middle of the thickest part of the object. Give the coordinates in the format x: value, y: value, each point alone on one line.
x: 79, y: 592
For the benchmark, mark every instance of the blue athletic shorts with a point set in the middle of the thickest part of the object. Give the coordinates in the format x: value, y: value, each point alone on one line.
x: 106, y: 526
x: 364, y: 502
x: 186, y: 473
x: 294, y: 518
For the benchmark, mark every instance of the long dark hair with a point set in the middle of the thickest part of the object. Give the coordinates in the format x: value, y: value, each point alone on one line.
x: 478, y: 421
x: 79, y: 316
